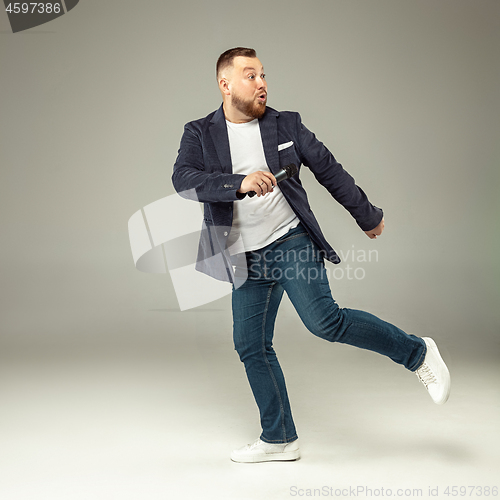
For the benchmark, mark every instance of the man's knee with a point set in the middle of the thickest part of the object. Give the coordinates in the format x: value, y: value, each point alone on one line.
x: 329, y: 326
x: 253, y: 351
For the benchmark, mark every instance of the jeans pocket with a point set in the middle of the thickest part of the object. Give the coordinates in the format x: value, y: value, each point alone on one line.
x: 318, y: 255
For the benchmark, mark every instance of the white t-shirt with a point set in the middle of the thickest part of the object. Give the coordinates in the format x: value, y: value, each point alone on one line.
x: 259, y: 220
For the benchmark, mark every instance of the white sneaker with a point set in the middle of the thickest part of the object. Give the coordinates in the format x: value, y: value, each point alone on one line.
x: 261, y: 451
x: 434, y: 374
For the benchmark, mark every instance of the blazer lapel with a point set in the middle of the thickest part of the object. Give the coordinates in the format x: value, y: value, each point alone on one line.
x: 218, y: 132
x: 269, y: 133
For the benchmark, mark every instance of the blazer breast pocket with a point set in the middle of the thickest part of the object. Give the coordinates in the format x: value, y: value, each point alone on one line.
x: 287, y: 154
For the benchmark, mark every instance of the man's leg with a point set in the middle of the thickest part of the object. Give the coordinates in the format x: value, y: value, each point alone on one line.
x: 303, y: 276
x: 255, y: 305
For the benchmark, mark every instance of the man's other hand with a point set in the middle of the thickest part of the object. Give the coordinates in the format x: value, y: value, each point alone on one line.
x: 377, y: 231
x: 260, y: 182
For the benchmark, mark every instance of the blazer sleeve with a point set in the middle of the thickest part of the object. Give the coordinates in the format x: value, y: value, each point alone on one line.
x: 335, y: 179
x: 190, y: 175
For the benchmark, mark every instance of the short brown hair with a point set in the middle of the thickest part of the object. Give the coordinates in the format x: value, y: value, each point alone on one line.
x: 226, y: 58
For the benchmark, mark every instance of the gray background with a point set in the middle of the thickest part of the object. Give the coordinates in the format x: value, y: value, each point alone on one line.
x: 107, y: 389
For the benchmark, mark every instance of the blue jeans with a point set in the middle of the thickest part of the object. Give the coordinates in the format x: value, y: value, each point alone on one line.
x: 293, y: 264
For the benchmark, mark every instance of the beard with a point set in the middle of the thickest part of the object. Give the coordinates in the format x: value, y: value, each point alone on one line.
x: 253, y: 108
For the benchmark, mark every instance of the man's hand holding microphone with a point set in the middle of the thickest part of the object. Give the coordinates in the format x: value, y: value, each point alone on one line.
x: 259, y: 182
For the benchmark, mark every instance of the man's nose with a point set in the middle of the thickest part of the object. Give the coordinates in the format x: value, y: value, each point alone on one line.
x: 261, y: 83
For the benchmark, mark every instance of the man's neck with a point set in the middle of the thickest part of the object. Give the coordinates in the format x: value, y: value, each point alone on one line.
x: 234, y: 115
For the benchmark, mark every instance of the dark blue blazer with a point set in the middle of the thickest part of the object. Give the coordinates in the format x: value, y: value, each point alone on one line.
x: 203, y: 171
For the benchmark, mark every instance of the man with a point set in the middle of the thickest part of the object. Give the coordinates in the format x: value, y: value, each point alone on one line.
x: 226, y: 156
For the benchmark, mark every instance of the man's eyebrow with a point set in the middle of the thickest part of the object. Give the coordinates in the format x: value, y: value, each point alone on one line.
x: 253, y: 69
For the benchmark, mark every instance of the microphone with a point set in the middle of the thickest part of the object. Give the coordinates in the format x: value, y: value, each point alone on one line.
x: 285, y: 173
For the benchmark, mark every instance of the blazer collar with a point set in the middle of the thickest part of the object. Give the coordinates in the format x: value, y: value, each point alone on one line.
x: 268, y: 132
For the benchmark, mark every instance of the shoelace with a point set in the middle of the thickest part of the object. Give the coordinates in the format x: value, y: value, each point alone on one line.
x: 426, y: 375
x: 253, y: 445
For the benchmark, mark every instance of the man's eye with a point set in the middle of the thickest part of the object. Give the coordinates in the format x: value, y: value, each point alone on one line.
x: 263, y: 76
x: 251, y: 76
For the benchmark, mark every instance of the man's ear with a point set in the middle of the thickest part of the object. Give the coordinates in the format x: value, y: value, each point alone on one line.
x: 224, y: 86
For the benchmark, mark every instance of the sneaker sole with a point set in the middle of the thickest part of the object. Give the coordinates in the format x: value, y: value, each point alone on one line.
x: 268, y: 457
